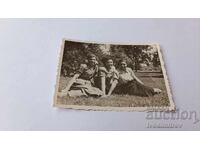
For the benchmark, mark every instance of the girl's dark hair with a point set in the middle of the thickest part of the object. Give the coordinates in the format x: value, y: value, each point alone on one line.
x: 122, y: 60
x: 89, y: 56
x: 105, y: 60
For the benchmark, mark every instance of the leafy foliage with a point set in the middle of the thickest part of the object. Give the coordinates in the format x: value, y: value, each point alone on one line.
x: 76, y: 53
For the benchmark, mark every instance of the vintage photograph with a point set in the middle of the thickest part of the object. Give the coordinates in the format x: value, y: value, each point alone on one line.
x: 119, y: 77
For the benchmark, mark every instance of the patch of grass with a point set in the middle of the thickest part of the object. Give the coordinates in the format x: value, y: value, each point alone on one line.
x: 121, y: 100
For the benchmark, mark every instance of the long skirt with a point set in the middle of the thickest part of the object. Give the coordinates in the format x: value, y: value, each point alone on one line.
x: 134, y: 88
x: 84, y: 88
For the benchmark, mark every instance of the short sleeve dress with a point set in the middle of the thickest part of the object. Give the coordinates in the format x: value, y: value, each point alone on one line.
x: 128, y: 85
x: 84, y: 85
x: 110, y: 76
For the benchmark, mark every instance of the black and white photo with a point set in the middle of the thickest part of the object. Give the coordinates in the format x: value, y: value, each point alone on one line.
x: 120, y: 77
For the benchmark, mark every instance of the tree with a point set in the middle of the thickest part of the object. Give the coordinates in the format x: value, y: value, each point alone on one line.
x: 78, y: 52
x: 136, y: 54
x: 155, y: 60
x: 75, y: 53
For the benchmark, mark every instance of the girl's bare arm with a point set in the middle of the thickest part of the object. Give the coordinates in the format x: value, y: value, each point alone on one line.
x: 103, y: 85
x: 72, y: 80
x: 135, y: 77
x: 113, y: 85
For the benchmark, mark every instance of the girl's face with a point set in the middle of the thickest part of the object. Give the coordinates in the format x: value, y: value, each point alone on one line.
x: 92, y: 61
x: 123, y: 65
x: 109, y: 63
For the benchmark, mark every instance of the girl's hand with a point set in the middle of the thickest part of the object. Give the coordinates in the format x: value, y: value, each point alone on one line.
x: 104, y: 96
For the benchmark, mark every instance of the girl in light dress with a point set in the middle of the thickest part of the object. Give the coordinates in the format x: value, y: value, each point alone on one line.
x: 129, y: 83
x: 108, y: 76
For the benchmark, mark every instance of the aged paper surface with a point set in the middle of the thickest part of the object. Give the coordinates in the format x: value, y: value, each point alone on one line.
x: 112, y: 77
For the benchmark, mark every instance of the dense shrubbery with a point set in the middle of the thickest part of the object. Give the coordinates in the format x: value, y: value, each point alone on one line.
x: 76, y: 53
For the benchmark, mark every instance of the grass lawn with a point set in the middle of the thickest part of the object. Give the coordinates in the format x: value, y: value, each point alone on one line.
x: 150, y: 79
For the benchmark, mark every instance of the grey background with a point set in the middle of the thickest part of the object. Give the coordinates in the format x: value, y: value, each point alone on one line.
x: 29, y: 50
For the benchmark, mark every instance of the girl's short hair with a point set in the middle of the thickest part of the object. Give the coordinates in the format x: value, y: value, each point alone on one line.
x: 122, y: 60
x: 105, y: 60
x: 89, y: 56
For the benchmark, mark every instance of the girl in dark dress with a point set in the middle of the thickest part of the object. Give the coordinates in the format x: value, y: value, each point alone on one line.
x: 82, y: 83
x: 128, y: 83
